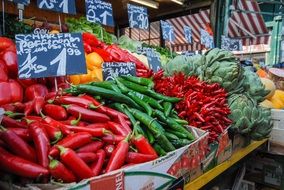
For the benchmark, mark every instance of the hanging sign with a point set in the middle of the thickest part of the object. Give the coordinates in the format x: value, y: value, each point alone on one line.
x: 231, y: 44
x: 47, y: 55
x: 63, y: 6
x: 24, y: 2
x: 111, y: 70
x: 206, y: 39
x: 98, y: 11
x: 187, y: 34
x: 167, y: 31
x: 153, y: 57
x: 188, y: 53
x: 138, y: 17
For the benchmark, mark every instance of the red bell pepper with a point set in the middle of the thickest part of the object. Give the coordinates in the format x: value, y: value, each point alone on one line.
x: 5, y: 98
x: 91, y: 147
x: 86, y: 114
x: 41, y: 142
x: 105, y: 55
x: 87, y: 157
x: 3, y: 67
x: 91, y: 39
x: 34, y: 91
x: 16, y: 91
x: 17, y: 145
x: 19, y: 166
x: 10, y: 58
x: 76, y: 164
x: 55, y: 111
x: 118, y: 156
x: 6, y: 43
x: 27, y: 82
x: 73, y: 141
x: 136, y: 158
x: 3, y: 75
x: 60, y: 172
x: 96, y: 167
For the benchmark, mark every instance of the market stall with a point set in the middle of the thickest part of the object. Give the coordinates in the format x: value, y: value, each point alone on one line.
x: 82, y: 106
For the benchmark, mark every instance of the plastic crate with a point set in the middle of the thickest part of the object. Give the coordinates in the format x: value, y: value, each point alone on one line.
x: 278, y: 127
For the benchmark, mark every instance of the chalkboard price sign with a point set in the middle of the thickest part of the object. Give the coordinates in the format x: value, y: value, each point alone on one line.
x: 188, y: 34
x: 138, y: 17
x: 98, y: 11
x: 63, y: 6
x: 24, y: 2
x: 168, y: 31
x: 111, y: 70
x: 46, y: 55
x: 231, y: 44
x: 153, y: 57
x: 206, y: 39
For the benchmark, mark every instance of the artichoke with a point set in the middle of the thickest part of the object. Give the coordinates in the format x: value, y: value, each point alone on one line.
x: 223, y: 68
x: 249, y: 118
x: 253, y: 85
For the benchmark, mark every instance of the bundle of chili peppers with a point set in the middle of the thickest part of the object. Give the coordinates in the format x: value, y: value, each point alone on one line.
x: 68, y: 138
x: 203, y: 105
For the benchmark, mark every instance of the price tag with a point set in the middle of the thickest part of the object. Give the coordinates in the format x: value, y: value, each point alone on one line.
x: 46, y: 55
x: 187, y: 34
x: 153, y: 57
x: 138, y: 17
x: 111, y: 70
x: 23, y: 2
x: 63, y: 6
x: 168, y: 31
x: 188, y: 53
x: 206, y: 39
x: 231, y: 44
x: 99, y: 12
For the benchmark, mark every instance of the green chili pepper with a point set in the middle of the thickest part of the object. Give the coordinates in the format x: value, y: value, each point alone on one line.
x: 159, y: 149
x: 121, y: 86
x: 139, y: 80
x: 171, y: 136
x: 140, y: 102
x: 110, y: 85
x: 151, y: 101
x: 178, y: 134
x: 178, y: 143
x: 181, y: 121
x: 150, y: 136
x: 167, y: 108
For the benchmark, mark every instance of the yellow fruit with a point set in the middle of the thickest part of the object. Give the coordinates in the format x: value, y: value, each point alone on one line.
x: 94, y: 60
x: 269, y: 85
x: 99, y: 73
x: 75, y: 79
x: 279, y: 94
x: 85, y: 78
x: 54, y: 32
x: 277, y: 103
x: 267, y: 104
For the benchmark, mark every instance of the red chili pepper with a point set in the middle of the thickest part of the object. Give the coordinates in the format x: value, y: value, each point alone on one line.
x: 9, y: 122
x: 97, y: 166
x: 87, y: 115
x: 57, y: 124
x: 75, y: 163
x: 73, y: 141
x: 38, y: 104
x: 36, y: 90
x: 29, y: 108
x: 55, y: 111
x: 54, y: 133
x: 91, y: 147
x: 123, y: 122
x: 114, y: 114
x: 117, y: 129
x: 105, y: 55
x: 98, y: 125
x: 23, y: 133
x: 87, y: 157
x: 41, y: 142
x: 17, y: 145
x: 82, y: 102
x: 143, y: 146
x: 113, y: 139
x: 96, y: 104
x: 60, y: 172
x: 19, y: 107
x: 109, y: 149
x: 136, y: 158
x: 95, y: 132
x: 21, y: 167
x: 3, y: 144
x: 87, y: 48
x: 118, y: 156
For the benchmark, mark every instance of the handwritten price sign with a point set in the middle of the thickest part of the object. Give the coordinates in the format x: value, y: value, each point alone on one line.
x: 168, y: 31
x: 99, y: 12
x: 64, y: 6
x: 45, y: 55
x: 153, y: 57
x: 138, y: 17
x: 24, y: 2
x: 187, y: 34
x: 206, y: 39
x: 231, y: 44
x: 111, y: 70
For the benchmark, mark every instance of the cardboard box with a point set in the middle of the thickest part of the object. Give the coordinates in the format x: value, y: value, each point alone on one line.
x: 159, y: 173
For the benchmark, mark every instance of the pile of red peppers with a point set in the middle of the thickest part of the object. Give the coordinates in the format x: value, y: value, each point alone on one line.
x: 203, y: 105
x: 67, y: 138
x: 113, y: 53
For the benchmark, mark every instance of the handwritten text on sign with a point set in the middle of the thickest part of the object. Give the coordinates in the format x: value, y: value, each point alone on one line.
x: 153, y: 57
x: 99, y: 12
x: 111, y: 70
x: 24, y: 2
x: 45, y: 55
x: 188, y: 34
x: 64, y: 6
x: 206, y: 39
x: 168, y: 31
x: 138, y: 17
x: 231, y: 44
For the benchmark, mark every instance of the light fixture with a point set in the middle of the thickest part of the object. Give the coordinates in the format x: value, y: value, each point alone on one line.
x: 147, y: 3
x: 180, y: 2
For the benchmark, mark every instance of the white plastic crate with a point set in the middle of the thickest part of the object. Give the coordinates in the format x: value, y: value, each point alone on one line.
x: 277, y: 134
